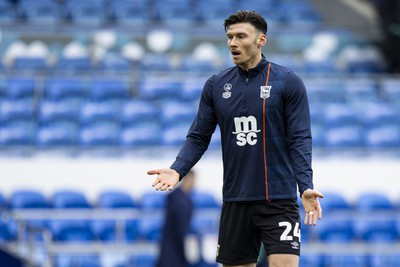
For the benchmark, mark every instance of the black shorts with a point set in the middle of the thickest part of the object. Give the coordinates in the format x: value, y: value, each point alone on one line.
x: 244, y: 226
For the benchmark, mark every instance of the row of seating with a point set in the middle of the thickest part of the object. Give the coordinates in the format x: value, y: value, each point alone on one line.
x: 142, y: 11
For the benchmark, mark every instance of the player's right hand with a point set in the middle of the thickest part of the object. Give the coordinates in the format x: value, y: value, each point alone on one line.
x: 166, y: 178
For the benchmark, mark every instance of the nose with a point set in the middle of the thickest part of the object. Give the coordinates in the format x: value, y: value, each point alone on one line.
x: 232, y: 42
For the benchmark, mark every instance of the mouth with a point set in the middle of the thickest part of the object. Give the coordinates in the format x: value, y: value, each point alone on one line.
x: 235, y: 54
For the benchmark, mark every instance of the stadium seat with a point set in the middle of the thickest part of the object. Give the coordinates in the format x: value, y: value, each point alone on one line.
x: 90, y: 12
x: 150, y: 201
x: 58, y: 88
x: 390, y: 88
x: 339, y: 114
x: 18, y: 134
x: 311, y: 260
x: 192, y: 88
x: 143, y: 259
x: 376, y: 230
x: 203, y: 199
x: 174, y: 113
x: 386, y: 137
x: 140, y: 134
x: 108, y: 89
x: 343, y: 137
x: 77, y: 260
x: 173, y: 12
x: 203, y: 223
x: 346, y: 260
x: 28, y: 199
x: 107, y: 230
x: 387, y: 260
x: 139, y: 111
x: 19, y: 88
x: 115, y: 199
x: 16, y: 110
x: 361, y: 91
x: 8, y: 13
x: 115, y: 64
x: 61, y: 134
x: 71, y: 231
x: 335, y: 202
x: 369, y: 202
x: 30, y: 65
x: 300, y: 13
x: 93, y: 112
x: 100, y: 134
x: 130, y: 13
x: 379, y: 114
x: 212, y: 13
x: 159, y: 88
x: 66, y: 199
x: 335, y: 231
x: 174, y: 135
x: 8, y: 230
x: 41, y: 12
x: 74, y: 65
x: 150, y: 227
x: 156, y: 63
x: 322, y: 91
x: 58, y: 111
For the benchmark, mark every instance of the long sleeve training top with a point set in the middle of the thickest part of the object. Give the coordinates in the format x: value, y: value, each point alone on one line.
x: 264, y: 120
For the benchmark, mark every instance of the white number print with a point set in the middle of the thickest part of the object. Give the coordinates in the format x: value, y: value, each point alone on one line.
x: 285, y: 236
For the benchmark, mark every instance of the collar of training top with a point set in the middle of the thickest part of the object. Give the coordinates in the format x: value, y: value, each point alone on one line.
x: 254, y: 71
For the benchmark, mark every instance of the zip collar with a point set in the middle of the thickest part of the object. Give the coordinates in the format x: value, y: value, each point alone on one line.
x: 254, y: 71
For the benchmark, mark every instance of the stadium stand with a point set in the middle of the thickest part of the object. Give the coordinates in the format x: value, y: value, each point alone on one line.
x: 78, y: 94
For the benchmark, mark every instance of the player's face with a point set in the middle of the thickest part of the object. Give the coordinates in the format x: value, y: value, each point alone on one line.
x: 245, y: 42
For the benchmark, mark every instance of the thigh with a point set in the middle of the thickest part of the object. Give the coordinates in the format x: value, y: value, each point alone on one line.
x: 238, y: 241
x: 283, y: 260
x: 279, y: 222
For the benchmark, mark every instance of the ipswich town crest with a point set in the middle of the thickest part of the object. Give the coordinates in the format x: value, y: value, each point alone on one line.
x: 265, y: 91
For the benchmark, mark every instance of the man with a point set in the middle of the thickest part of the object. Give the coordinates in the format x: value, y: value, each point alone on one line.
x: 178, y: 215
x: 263, y: 115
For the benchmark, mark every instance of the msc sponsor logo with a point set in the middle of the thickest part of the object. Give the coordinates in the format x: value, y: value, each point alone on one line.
x: 246, y: 130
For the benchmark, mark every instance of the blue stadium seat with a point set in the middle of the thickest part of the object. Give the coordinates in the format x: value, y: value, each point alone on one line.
x: 343, y: 137
x: 198, y: 67
x: 143, y: 260
x: 16, y: 110
x: 43, y: 12
x: 203, y: 224
x: 8, y: 13
x: 18, y: 88
x: 28, y: 199
x: 30, y: 65
x: 152, y: 201
x: 89, y: 12
x: 386, y: 136
x: 390, y: 88
x: 154, y: 63
x: 361, y: 91
x: 340, y: 114
x: 115, y: 199
x: 159, y: 88
x: 387, y: 260
x: 130, y: 12
x: 335, y: 202
x: 379, y: 114
x: 376, y: 230
x: 60, y: 134
x: 100, y: 134
x: 192, y: 88
x: 108, y: 89
x: 369, y: 202
x: 203, y: 199
x: 174, y: 113
x: 74, y: 65
x: 107, y: 230
x: 300, y: 14
x: 71, y: 231
x: 138, y: 111
x: 18, y: 133
x: 335, y: 231
x: 93, y: 112
x: 173, y: 12
x: 58, y: 111
x: 77, y: 260
x: 174, y: 135
x: 212, y: 13
x: 141, y: 134
x: 66, y: 199
x: 346, y: 260
x: 8, y: 230
x: 311, y: 259
x: 115, y: 64
x: 325, y: 91
x: 58, y: 88
x: 150, y: 227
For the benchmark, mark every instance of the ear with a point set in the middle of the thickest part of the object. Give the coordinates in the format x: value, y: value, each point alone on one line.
x: 262, y: 40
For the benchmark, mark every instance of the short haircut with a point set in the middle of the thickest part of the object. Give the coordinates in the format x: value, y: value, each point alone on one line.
x: 251, y: 17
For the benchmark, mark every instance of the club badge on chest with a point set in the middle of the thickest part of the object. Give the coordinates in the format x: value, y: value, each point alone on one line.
x: 265, y: 91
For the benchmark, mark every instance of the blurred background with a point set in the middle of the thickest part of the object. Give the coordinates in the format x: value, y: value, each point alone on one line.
x: 94, y: 93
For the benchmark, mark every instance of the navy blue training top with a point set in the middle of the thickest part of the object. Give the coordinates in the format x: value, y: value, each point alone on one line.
x: 265, y: 132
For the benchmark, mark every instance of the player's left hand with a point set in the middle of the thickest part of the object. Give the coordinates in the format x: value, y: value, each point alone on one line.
x: 312, y: 206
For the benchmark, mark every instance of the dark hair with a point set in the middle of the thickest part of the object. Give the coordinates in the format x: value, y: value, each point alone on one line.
x: 251, y: 17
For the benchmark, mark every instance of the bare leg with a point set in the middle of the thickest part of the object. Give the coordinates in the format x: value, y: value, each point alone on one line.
x: 245, y: 265
x: 283, y: 260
